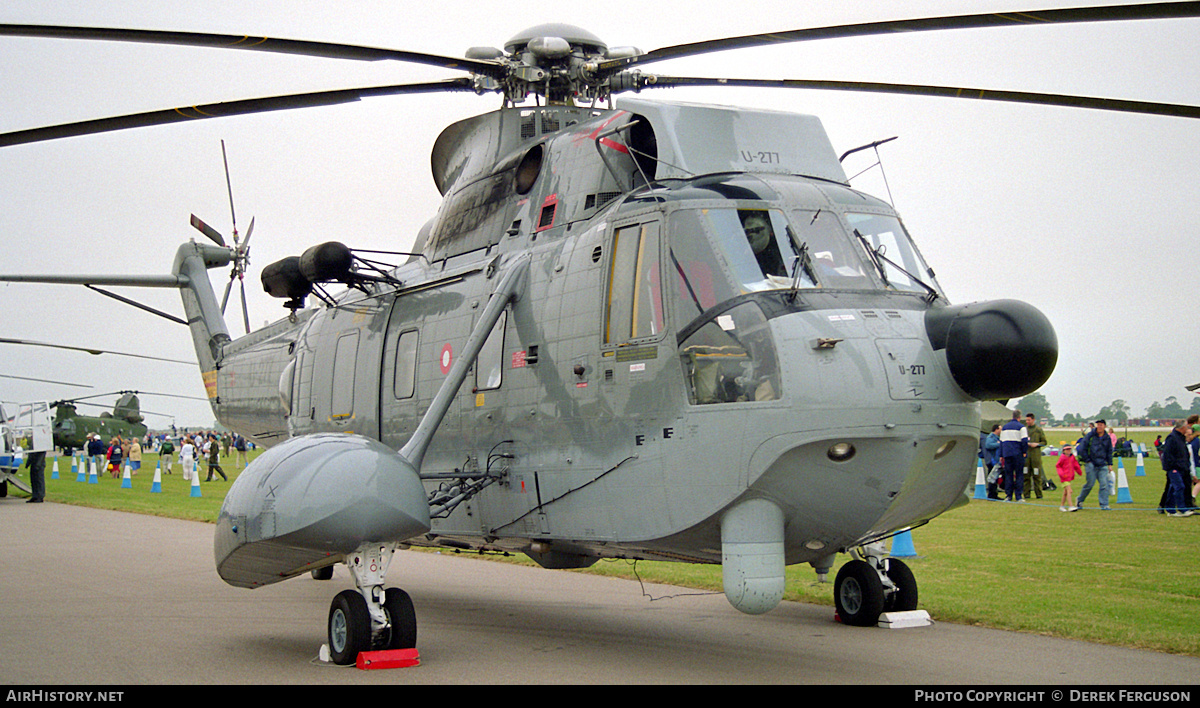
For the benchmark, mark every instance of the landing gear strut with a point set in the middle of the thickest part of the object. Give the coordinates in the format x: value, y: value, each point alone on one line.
x: 370, y: 618
x: 871, y: 584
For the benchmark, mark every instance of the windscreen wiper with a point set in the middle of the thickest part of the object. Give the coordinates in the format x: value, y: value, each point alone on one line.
x: 877, y: 255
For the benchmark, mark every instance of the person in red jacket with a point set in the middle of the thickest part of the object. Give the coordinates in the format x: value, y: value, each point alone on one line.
x: 1068, y: 469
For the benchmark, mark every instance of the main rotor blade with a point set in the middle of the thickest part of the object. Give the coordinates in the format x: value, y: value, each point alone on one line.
x: 259, y: 44
x: 1110, y: 13
x: 1050, y: 99
x: 89, y: 350
x: 49, y: 381
x: 221, y: 110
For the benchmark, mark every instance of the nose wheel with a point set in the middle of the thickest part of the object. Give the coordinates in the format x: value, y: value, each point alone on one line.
x: 370, y: 618
x: 349, y: 627
x: 872, y: 584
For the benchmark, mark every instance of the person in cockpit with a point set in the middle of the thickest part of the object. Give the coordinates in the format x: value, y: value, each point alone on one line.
x: 761, y: 236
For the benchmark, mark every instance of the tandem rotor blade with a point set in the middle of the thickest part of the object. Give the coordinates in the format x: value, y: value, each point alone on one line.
x: 1104, y: 104
x: 1110, y: 13
x: 229, y: 108
x: 328, y: 50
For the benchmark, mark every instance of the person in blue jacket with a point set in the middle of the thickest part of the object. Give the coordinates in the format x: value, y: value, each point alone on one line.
x: 989, y: 445
x: 1014, y: 444
x: 1177, y: 463
x: 1095, y: 453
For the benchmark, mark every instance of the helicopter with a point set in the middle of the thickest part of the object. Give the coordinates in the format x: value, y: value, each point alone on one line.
x: 635, y: 329
x: 72, y: 431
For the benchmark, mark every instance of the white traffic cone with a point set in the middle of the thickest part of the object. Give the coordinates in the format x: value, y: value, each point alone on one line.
x: 156, y: 486
x: 196, y: 483
x: 126, y: 479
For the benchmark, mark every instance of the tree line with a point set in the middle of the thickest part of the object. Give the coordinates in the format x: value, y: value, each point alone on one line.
x: 1115, y: 413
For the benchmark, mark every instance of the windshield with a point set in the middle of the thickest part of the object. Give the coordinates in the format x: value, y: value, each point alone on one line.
x: 886, y: 242
x: 831, y: 256
x: 720, y: 253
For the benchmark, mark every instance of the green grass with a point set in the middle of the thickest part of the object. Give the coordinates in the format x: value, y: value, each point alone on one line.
x: 1126, y: 577
x: 175, y: 499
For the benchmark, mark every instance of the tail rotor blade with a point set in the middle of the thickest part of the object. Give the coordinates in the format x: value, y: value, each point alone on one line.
x: 208, y: 231
x: 245, y: 312
x: 225, y: 299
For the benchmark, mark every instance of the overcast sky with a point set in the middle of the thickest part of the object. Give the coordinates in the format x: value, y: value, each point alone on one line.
x: 1086, y: 215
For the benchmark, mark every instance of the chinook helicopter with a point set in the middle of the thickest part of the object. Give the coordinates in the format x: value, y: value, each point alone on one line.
x: 634, y: 329
x: 71, y: 430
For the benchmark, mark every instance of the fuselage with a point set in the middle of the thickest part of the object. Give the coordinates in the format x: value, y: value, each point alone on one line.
x: 682, y: 344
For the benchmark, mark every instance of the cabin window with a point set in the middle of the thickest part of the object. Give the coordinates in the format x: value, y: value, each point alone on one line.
x: 345, y: 360
x: 405, y: 377
x: 634, y: 307
x: 731, y: 358
x: 489, y: 365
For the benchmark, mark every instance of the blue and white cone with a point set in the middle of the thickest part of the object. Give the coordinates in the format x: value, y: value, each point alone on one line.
x: 92, y: 478
x: 80, y: 475
x: 1123, y: 495
x: 156, y: 487
x: 196, y: 483
x: 1141, y: 466
x: 980, y: 482
x: 902, y: 546
x: 54, y: 470
x: 126, y: 479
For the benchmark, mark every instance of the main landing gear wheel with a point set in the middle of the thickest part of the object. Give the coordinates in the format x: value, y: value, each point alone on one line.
x: 402, y: 620
x: 904, y: 598
x: 858, y: 594
x: 349, y: 627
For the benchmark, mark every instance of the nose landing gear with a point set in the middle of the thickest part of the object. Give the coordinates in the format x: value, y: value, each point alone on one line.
x: 872, y: 584
x: 370, y: 617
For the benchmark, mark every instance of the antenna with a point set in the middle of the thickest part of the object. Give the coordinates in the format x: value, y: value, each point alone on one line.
x: 878, y: 163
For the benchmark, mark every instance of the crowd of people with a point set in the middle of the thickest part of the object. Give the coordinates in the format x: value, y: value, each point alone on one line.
x: 187, y: 449
x: 1012, y: 457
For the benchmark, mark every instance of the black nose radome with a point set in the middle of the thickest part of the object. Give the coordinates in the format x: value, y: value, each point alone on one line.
x: 996, y: 350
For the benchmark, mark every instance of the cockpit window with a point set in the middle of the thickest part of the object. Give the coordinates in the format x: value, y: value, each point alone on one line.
x: 887, y: 244
x: 699, y: 282
x: 731, y: 359
x: 753, y: 243
x: 720, y: 253
x: 829, y: 255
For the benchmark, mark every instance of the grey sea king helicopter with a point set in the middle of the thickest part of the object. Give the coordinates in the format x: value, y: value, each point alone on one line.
x: 634, y: 329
